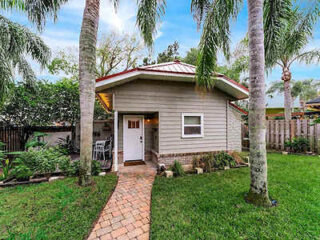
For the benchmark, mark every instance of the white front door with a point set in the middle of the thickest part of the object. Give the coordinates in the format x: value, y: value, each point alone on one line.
x: 133, y: 137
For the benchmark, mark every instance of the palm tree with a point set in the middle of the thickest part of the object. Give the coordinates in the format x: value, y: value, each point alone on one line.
x: 303, y: 89
x: 17, y: 41
x: 87, y: 63
x: 289, y: 47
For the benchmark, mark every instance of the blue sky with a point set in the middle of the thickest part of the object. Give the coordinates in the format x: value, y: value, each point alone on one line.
x: 178, y: 24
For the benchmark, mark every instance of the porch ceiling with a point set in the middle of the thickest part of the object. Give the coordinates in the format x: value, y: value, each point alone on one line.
x: 106, y: 100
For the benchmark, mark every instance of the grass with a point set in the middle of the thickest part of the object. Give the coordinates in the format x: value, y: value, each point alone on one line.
x: 212, y: 206
x: 55, y: 210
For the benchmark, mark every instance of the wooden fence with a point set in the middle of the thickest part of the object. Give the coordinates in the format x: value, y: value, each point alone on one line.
x: 11, y: 136
x: 15, y: 138
x: 276, y: 130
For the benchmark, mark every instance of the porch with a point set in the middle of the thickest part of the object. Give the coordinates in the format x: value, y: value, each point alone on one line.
x: 136, y: 138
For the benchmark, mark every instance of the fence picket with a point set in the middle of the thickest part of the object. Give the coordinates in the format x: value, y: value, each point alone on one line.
x: 276, y: 133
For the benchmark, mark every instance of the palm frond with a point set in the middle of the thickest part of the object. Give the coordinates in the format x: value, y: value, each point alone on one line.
x: 17, y: 40
x: 275, y: 88
x: 25, y: 70
x: 5, y: 76
x: 276, y: 12
x: 39, y: 10
x: 12, y: 4
x: 308, y: 57
x: 288, y: 30
x: 199, y: 8
x: 299, y: 32
x: 149, y: 13
x: 215, y: 36
x: 115, y: 4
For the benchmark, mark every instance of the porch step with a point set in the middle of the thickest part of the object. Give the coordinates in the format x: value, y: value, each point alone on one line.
x: 134, y: 163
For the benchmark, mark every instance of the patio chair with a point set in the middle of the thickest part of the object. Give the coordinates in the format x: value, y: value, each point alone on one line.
x: 99, y: 149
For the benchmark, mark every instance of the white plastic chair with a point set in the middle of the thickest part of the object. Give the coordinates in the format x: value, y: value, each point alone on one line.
x: 99, y: 149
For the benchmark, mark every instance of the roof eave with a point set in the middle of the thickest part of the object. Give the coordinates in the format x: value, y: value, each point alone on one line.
x: 225, y: 84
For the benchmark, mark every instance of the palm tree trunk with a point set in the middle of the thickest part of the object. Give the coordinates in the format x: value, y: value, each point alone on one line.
x: 258, y: 193
x: 87, y: 62
x: 286, y: 78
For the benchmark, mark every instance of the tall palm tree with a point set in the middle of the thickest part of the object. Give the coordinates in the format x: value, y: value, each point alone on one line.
x: 294, y: 34
x: 17, y: 41
x: 87, y: 63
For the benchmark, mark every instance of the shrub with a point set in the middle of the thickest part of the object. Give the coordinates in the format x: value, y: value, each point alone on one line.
x: 75, y: 168
x: 66, y: 145
x: 196, y: 162
x: 177, y: 169
x: 238, y: 157
x: 223, y: 159
x: 21, y: 172
x: 43, y: 161
x: 298, y: 145
x: 208, y: 162
x: 95, y: 168
x: 36, y: 140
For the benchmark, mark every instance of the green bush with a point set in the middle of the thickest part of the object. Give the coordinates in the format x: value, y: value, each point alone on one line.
x: 75, y: 168
x: 36, y: 140
x: 223, y: 159
x: 208, y: 162
x: 298, y: 145
x: 44, y: 160
x: 95, y: 168
x: 21, y: 172
x: 66, y: 145
x: 177, y: 169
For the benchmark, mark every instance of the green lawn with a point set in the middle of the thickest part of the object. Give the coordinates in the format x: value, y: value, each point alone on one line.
x: 56, y: 210
x: 211, y: 206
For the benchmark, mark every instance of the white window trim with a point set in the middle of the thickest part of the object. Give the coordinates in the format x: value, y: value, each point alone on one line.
x: 201, y: 115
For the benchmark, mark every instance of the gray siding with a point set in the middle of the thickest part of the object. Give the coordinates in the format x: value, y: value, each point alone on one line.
x: 234, y: 129
x: 171, y: 99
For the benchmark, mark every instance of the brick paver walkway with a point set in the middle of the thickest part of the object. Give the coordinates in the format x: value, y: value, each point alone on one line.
x: 127, y: 214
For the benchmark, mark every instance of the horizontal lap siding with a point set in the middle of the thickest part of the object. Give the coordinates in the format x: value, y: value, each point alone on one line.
x: 171, y: 99
x: 234, y: 130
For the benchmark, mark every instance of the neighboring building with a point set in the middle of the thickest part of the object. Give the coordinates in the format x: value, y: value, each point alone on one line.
x: 160, y: 115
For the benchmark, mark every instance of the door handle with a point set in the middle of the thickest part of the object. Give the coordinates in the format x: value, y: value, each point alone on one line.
x: 141, y: 139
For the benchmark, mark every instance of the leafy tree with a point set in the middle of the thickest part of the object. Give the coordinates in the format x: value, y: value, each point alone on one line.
x: 148, y: 61
x: 17, y: 42
x: 191, y: 56
x: 170, y: 54
x: 305, y: 90
x: 292, y: 36
x: 116, y: 52
x: 29, y: 106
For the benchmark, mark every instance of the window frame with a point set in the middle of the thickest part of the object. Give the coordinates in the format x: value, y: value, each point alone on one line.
x: 201, y: 135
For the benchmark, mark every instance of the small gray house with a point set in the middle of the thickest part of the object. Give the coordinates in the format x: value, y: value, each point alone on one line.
x: 159, y: 115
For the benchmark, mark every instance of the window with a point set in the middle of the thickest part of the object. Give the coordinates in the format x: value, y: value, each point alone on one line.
x: 192, y: 125
x: 133, y: 124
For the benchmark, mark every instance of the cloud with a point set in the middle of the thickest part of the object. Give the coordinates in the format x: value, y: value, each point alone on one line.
x: 122, y: 21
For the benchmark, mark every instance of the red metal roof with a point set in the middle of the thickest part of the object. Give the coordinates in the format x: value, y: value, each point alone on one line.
x: 175, y: 67
x: 238, y: 108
